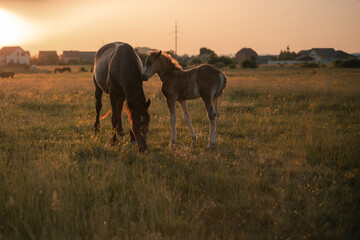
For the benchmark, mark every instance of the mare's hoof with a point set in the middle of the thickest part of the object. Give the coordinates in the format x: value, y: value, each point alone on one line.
x: 133, y: 142
x: 210, y: 146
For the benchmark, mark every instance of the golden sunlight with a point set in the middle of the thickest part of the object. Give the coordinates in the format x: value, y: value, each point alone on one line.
x: 15, y: 30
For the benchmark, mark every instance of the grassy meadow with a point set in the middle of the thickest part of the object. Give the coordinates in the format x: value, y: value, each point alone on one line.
x: 286, y: 165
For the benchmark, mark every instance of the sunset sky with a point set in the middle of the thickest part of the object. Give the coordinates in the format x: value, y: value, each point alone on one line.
x: 225, y: 26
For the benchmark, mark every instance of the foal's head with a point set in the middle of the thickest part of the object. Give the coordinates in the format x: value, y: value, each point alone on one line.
x: 157, y: 62
x: 140, y: 123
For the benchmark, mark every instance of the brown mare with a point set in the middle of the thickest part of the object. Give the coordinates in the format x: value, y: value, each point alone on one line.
x: 117, y: 72
x: 205, y: 81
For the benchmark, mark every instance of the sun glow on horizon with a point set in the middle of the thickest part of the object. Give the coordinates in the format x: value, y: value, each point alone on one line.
x: 15, y: 30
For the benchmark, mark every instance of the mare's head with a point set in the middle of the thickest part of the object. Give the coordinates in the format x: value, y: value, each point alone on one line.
x: 158, y: 62
x: 140, y: 123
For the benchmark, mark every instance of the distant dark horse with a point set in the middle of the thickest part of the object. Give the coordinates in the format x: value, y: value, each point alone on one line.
x: 117, y: 72
x: 61, y: 70
x: 7, y: 74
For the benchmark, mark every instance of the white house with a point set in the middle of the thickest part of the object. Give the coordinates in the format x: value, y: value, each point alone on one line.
x: 14, y: 55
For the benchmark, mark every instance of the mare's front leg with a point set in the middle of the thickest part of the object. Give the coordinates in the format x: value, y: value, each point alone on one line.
x: 132, y: 138
x: 187, y: 118
x: 172, y: 110
x: 117, y: 101
x: 212, y: 115
x: 98, y: 105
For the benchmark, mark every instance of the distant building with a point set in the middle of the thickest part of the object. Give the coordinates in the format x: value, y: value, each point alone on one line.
x: 327, y: 55
x: 305, y: 58
x: 245, y: 53
x: 71, y: 57
x: 264, y: 59
x: 48, y: 58
x: 87, y: 57
x: 14, y: 55
x: 322, y: 54
x: 78, y: 57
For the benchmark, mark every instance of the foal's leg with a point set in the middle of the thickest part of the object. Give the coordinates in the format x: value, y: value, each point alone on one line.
x: 172, y: 109
x: 212, y: 118
x: 187, y: 118
x: 98, y: 104
x: 215, y: 104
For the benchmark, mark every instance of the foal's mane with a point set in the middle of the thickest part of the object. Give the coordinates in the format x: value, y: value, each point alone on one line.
x: 174, y: 63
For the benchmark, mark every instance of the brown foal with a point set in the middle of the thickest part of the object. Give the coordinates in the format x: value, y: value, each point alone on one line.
x: 205, y: 81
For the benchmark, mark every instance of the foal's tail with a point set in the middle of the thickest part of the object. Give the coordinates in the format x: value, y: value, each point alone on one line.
x: 106, y: 115
x: 222, y: 85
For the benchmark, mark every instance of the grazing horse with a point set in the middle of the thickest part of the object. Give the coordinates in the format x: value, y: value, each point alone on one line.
x: 58, y: 70
x: 205, y: 81
x: 7, y: 74
x: 117, y: 72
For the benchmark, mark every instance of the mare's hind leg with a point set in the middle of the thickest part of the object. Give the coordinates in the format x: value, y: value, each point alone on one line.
x: 187, y: 118
x: 212, y: 115
x: 98, y: 105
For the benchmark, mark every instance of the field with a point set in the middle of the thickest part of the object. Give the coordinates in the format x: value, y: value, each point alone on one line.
x: 286, y: 165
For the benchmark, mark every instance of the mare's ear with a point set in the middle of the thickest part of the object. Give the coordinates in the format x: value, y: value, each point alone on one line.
x: 158, y: 54
x: 148, y: 103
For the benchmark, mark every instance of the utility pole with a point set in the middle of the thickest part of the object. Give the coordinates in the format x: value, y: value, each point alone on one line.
x: 176, y: 32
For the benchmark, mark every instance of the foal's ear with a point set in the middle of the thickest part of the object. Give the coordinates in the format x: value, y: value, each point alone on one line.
x: 147, y: 103
x: 158, y: 54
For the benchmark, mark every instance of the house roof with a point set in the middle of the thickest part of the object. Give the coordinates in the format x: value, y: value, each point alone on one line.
x: 325, y: 53
x: 304, y: 52
x: 8, y: 50
x: 342, y: 55
x: 304, y: 58
x: 246, y: 52
x: 75, y: 54
x: 47, y: 53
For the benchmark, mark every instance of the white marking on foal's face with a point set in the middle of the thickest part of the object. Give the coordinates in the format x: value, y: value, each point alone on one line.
x: 141, y: 118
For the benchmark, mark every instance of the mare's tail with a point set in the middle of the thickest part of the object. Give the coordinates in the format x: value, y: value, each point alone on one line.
x: 106, y: 115
x: 222, y: 85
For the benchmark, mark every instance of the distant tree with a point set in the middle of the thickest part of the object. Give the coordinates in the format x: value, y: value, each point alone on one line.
x: 351, y: 63
x: 195, y: 60
x: 212, y: 59
x: 250, y: 62
x: 287, y: 55
x: 205, y: 50
x: 183, y: 60
x: 221, y: 61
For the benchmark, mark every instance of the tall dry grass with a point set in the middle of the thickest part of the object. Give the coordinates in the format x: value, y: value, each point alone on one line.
x: 286, y: 166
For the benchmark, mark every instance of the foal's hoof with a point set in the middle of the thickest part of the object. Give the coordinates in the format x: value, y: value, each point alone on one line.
x: 210, y: 146
x: 172, y: 144
x: 133, y: 142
